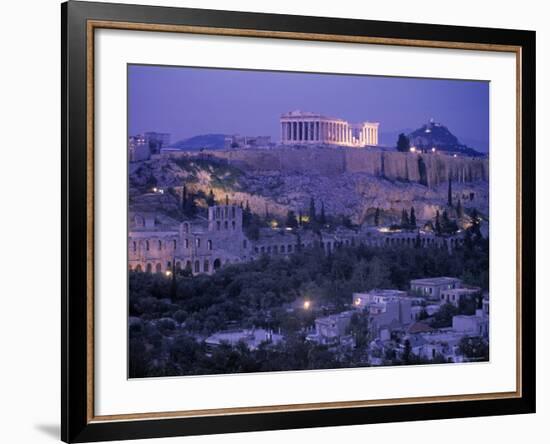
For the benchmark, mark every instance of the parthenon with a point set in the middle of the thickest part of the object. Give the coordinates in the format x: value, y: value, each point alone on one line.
x: 305, y: 128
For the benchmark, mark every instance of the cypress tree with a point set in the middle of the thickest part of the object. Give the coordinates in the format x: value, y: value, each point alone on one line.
x: 226, y: 200
x: 404, y: 219
x: 446, y: 219
x: 184, y: 198
x: 450, y: 193
x: 211, y: 200
x: 173, y: 286
x: 312, y: 212
x: 413, y: 218
x: 377, y: 217
x: 323, y: 218
x: 437, y: 223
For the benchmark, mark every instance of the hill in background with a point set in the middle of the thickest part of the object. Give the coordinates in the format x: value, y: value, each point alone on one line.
x: 196, y: 143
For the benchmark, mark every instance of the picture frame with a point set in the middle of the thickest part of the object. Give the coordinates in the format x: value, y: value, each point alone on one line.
x: 80, y: 22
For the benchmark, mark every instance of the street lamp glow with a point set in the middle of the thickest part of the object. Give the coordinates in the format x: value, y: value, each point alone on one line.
x: 433, y: 149
x: 307, y: 304
x: 412, y: 149
x: 168, y: 273
x: 357, y: 302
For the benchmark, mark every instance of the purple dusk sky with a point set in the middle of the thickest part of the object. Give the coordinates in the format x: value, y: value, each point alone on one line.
x: 191, y: 101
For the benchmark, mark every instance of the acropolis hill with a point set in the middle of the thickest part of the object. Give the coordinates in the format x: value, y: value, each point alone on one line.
x: 348, y: 181
x: 329, y: 159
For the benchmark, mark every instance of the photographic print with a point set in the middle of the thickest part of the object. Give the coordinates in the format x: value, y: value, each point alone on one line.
x: 284, y: 221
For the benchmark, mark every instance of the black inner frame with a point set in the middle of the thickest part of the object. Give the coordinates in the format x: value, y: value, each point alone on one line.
x: 74, y: 423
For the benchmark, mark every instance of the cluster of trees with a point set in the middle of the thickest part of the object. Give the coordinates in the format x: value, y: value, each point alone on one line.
x: 258, y: 294
x: 315, y: 219
x: 408, y: 220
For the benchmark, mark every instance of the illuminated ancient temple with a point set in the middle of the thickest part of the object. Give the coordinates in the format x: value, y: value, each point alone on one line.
x: 305, y: 128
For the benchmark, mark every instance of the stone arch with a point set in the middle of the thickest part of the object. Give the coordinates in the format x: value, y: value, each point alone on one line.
x: 217, y: 264
x: 178, y: 265
x: 188, y: 265
x: 149, y: 268
x: 206, y: 266
x: 197, y: 267
x: 138, y: 268
x: 158, y: 268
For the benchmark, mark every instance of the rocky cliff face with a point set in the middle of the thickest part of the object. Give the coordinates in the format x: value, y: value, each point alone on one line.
x: 426, y: 169
x: 349, y: 182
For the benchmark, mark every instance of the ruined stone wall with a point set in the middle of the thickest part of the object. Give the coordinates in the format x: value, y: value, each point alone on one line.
x: 427, y: 169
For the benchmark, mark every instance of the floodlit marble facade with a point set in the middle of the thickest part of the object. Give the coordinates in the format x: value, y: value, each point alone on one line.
x: 305, y: 128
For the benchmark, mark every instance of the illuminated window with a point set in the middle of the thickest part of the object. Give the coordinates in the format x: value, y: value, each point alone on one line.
x: 198, y: 242
x: 209, y: 243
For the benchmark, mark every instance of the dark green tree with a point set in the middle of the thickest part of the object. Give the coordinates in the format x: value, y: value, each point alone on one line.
x: 322, y: 217
x: 211, y: 200
x: 403, y: 143
x: 407, y: 352
x: 312, y: 211
x: 444, y: 317
x: 184, y: 198
x: 446, y: 219
x: 377, y: 217
x: 291, y: 221
x: 226, y: 200
x: 173, y: 283
x: 450, y: 193
x: 405, y: 222
x: 437, y: 223
x: 474, y: 348
x: 413, y: 218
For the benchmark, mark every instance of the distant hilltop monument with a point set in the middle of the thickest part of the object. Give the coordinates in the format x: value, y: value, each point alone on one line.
x: 306, y: 128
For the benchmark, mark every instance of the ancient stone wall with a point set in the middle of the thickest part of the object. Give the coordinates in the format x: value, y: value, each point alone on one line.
x: 427, y: 169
